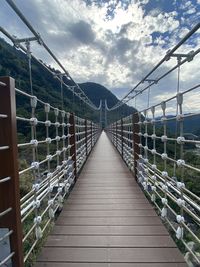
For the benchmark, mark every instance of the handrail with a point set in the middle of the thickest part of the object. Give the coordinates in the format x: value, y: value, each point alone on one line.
x: 55, y: 145
x: 157, y: 156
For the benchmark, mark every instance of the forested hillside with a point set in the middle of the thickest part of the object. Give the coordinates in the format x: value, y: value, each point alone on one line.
x: 14, y: 63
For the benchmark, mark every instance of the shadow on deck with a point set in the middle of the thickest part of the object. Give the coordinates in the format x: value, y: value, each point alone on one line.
x: 107, y: 221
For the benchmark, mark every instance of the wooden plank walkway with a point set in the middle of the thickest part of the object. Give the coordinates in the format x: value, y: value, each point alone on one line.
x: 108, y: 222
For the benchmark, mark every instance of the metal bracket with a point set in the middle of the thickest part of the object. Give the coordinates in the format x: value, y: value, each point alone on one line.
x: 150, y: 81
x: 27, y: 41
x: 189, y: 56
x: 18, y: 41
x: 61, y: 75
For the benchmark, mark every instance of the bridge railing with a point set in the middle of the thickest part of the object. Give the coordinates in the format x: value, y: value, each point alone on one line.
x: 153, y: 145
x: 42, y: 150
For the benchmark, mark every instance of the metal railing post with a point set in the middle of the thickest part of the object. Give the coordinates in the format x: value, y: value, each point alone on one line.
x: 136, y: 141
x: 122, y: 138
x: 9, y: 190
x: 72, y: 141
x: 91, y: 136
x: 86, y: 138
x: 116, y: 135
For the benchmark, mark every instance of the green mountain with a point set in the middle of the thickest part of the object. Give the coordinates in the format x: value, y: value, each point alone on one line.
x: 96, y: 92
x: 14, y: 63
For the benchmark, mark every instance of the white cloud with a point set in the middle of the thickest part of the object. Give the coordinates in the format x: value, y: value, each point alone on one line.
x: 185, y: 4
x: 183, y: 32
x: 115, y: 50
x: 191, y: 10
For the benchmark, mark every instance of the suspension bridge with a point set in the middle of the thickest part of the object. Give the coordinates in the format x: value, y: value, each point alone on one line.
x: 118, y: 196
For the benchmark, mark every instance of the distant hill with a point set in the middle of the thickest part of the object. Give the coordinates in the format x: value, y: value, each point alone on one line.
x: 190, y: 125
x: 96, y: 92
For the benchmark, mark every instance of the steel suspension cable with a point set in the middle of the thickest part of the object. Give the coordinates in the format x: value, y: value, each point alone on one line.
x: 176, y: 128
x: 41, y: 42
x: 191, y: 54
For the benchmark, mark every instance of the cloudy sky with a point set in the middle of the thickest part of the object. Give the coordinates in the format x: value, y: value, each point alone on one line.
x: 114, y: 43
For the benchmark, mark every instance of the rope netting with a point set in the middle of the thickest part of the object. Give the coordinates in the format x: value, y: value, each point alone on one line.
x: 164, y: 169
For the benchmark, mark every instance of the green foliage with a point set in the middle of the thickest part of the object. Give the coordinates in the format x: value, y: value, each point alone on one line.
x: 26, y: 179
x: 14, y: 63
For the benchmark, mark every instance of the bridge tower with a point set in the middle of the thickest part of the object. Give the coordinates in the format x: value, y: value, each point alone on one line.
x: 100, y: 114
x: 103, y: 113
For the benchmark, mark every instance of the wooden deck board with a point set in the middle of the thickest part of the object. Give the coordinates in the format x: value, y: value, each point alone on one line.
x: 108, y: 222
x: 111, y: 241
x: 93, y: 254
x: 126, y: 230
x: 103, y: 207
x: 81, y: 264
